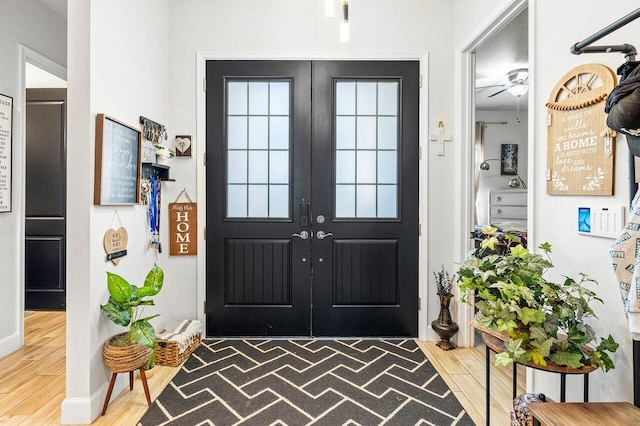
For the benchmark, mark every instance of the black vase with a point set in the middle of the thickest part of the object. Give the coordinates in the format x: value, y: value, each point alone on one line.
x: 444, y: 326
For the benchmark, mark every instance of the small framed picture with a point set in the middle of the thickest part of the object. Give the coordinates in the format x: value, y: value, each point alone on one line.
x: 148, y: 152
x: 509, y: 157
x: 183, y: 145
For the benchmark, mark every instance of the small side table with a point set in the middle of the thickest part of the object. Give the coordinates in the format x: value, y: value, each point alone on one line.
x: 497, y: 345
x: 589, y: 413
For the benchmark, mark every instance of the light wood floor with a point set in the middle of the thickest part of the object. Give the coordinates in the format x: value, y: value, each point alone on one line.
x: 32, y: 380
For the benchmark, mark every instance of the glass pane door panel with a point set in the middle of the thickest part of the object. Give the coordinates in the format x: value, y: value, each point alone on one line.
x: 258, y: 132
x: 366, y: 148
x: 346, y: 167
x: 366, y: 98
x: 258, y: 149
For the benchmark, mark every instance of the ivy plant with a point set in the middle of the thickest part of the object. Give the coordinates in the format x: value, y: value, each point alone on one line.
x: 545, y: 321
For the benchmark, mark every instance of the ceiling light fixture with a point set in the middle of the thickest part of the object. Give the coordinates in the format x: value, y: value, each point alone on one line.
x: 518, y: 90
x: 344, y: 25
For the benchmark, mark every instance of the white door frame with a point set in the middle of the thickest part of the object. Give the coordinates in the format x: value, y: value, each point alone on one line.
x: 201, y: 60
x: 465, y: 93
x: 27, y: 55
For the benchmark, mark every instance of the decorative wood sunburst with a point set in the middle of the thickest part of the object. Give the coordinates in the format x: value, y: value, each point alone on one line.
x: 584, y: 85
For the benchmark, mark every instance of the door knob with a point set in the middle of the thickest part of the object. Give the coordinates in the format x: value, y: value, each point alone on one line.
x: 303, y: 235
x: 322, y: 235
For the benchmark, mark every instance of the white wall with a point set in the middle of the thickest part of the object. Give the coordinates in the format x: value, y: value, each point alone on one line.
x: 256, y: 29
x: 496, y: 135
x: 554, y: 217
x: 118, y: 65
x: 30, y: 23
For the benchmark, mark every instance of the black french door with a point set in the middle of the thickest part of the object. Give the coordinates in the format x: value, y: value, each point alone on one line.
x: 312, y: 198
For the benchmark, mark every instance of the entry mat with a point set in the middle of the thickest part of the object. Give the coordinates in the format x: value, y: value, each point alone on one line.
x: 307, y: 382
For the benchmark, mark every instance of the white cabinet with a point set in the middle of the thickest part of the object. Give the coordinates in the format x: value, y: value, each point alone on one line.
x: 508, y: 206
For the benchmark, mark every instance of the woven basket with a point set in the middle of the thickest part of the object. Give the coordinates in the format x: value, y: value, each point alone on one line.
x: 167, y: 352
x: 124, y: 358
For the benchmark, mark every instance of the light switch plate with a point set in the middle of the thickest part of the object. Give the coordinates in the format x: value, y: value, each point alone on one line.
x: 601, y: 221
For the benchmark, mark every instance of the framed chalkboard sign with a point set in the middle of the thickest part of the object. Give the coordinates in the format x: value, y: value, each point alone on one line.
x: 118, y: 154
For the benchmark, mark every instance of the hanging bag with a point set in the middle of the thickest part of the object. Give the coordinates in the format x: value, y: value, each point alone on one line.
x: 623, y: 105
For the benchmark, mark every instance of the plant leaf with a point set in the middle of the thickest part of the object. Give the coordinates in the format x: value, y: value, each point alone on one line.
x: 119, y: 288
x: 536, y: 357
x: 116, y: 313
x: 532, y: 316
x: 152, y: 283
x: 142, y: 332
x: 503, y: 359
x: 608, y: 344
x: 570, y: 359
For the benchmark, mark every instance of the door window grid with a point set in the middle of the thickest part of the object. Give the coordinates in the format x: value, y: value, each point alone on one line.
x: 258, y: 123
x: 366, y: 135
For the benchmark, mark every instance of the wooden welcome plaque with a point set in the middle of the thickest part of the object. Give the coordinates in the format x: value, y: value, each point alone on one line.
x: 580, y: 146
x: 183, y: 226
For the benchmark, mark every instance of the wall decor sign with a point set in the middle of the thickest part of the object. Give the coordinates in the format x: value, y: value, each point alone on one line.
x: 6, y: 122
x: 183, y: 227
x: 509, y: 159
x: 183, y: 145
x: 115, y: 241
x: 580, y: 149
x: 118, y: 155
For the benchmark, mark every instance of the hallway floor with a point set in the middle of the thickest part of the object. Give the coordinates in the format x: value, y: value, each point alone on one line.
x: 32, y: 380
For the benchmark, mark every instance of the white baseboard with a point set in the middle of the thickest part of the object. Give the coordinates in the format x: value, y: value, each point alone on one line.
x: 9, y: 344
x: 84, y: 410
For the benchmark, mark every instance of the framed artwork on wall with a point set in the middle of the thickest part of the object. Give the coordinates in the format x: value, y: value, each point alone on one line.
x: 6, y: 128
x: 118, y: 155
x: 509, y: 159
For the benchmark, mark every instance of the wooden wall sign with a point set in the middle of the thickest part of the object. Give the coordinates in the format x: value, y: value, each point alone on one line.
x: 183, y: 229
x: 115, y: 241
x: 580, y: 149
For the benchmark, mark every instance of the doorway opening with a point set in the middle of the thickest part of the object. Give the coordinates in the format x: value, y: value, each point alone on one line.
x: 45, y: 190
x: 37, y: 72
x: 485, y: 78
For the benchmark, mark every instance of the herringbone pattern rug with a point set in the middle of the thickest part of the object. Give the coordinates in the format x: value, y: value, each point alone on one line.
x: 307, y: 382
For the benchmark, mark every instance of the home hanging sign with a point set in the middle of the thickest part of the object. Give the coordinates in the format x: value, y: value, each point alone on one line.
x: 580, y: 146
x: 183, y: 227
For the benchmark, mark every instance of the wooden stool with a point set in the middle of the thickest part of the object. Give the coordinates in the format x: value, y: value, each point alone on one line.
x: 113, y: 381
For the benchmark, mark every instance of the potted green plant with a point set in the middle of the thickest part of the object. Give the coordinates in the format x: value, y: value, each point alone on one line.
x: 542, y: 321
x: 123, y: 309
x: 444, y: 326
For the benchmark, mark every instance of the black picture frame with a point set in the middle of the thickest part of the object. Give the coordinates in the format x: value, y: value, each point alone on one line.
x: 6, y: 143
x: 118, y: 162
x: 509, y: 159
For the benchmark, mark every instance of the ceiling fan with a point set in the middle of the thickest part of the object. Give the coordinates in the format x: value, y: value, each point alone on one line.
x: 518, y: 83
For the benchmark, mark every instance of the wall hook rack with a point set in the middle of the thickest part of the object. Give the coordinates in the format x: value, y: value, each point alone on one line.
x: 153, y: 131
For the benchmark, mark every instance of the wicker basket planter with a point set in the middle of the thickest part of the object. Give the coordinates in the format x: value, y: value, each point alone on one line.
x: 167, y: 352
x: 121, y: 357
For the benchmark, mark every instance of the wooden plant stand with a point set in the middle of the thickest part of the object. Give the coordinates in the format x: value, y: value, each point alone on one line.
x: 113, y: 381
x: 125, y: 359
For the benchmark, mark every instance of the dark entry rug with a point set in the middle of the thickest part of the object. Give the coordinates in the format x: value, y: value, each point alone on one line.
x: 307, y: 382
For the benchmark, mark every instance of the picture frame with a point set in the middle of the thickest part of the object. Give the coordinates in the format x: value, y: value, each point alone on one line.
x: 117, y: 162
x: 509, y: 159
x: 6, y: 142
x: 183, y: 145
